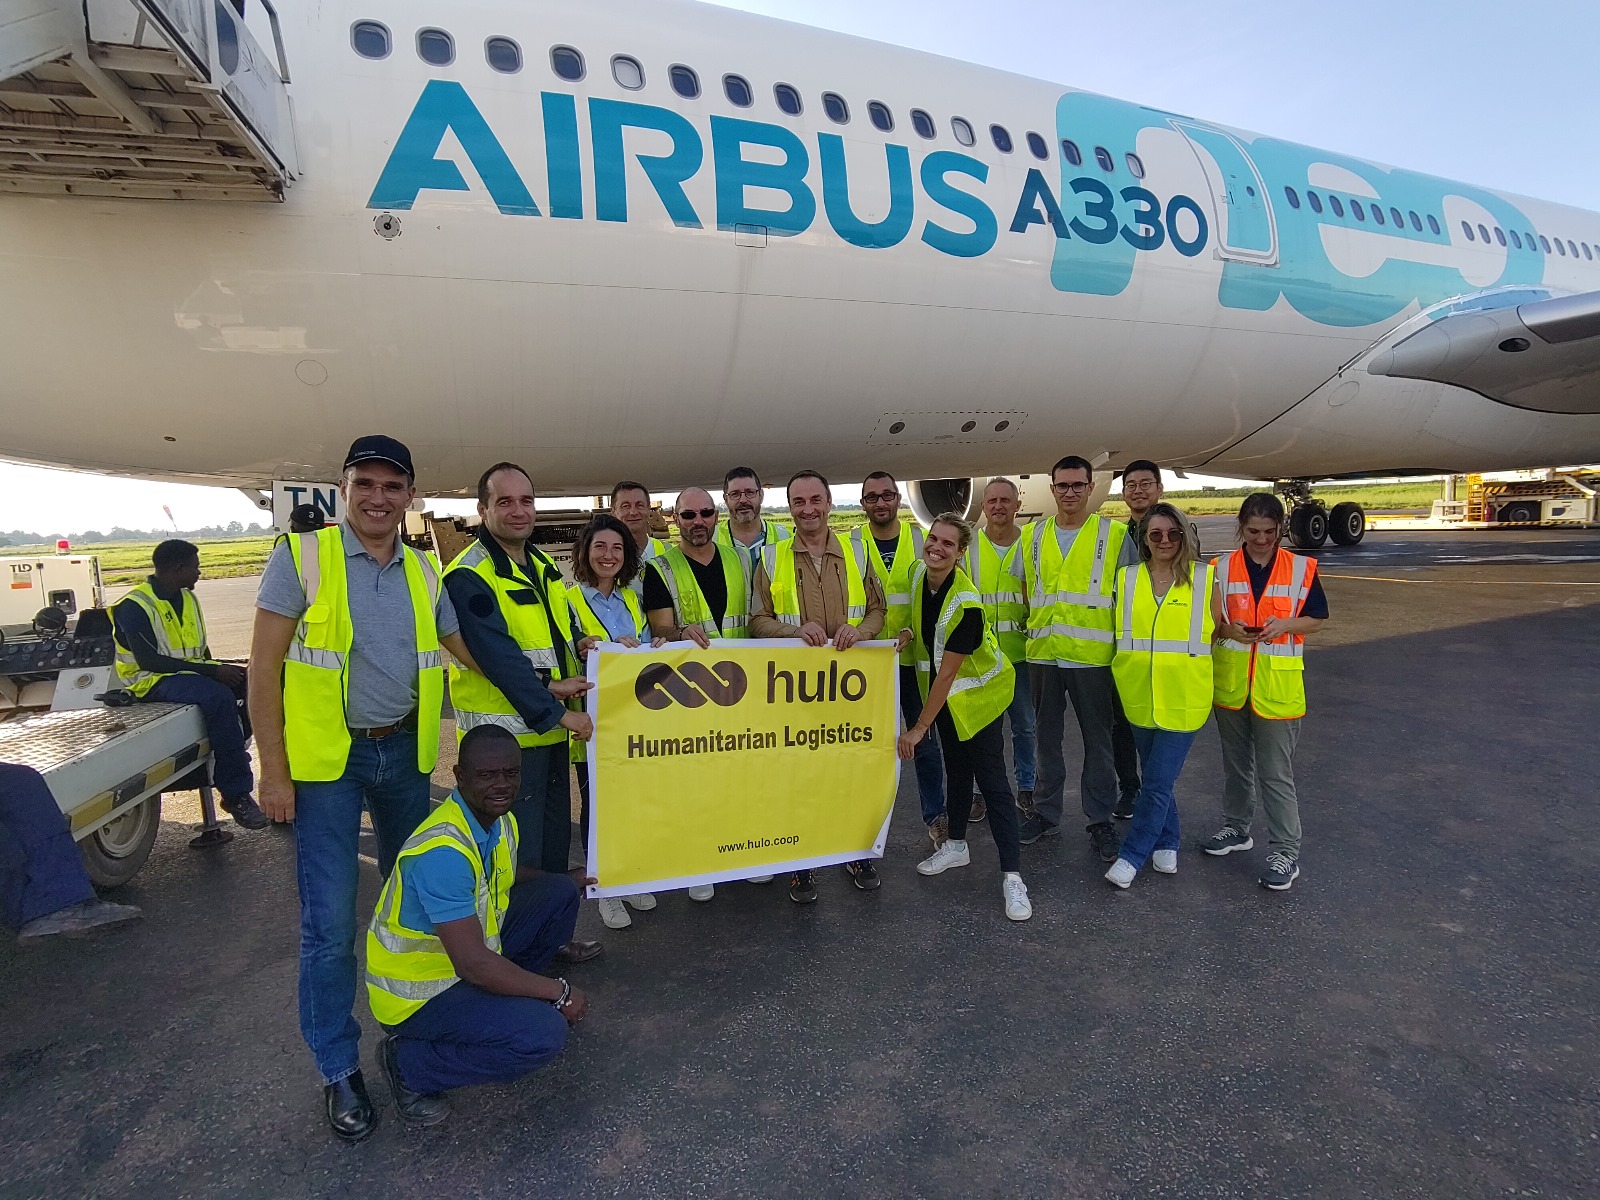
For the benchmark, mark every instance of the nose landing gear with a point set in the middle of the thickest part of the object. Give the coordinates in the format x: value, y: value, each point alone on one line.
x: 1311, y: 523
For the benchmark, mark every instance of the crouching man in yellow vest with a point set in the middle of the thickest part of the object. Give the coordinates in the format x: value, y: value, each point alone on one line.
x: 461, y: 937
x: 1167, y: 612
x: 346, y: 693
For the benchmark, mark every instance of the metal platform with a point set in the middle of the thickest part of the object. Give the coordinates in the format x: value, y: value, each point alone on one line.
x: 154, y: 99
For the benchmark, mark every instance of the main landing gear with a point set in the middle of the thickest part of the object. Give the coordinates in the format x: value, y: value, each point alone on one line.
x: 1312, y: 523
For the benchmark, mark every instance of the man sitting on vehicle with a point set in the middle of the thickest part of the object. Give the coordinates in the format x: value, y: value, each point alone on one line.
x: 162, y: 655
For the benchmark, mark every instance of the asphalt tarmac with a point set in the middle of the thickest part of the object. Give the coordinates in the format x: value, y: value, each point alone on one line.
x: 1418, y: 1017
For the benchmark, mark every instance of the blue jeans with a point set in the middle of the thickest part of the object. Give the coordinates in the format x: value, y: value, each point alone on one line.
x: 1024, y: 745
x: 381, y: 776
x: 41, y: 871
x: 1155, y: 813
x: 466, y: 1035
x: 929, y: 764
x: 220, y: 709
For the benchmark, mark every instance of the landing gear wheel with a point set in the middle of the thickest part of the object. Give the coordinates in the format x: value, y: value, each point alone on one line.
x: 1347, y: 523
x: 1308, y: 527
x: 114, y: 853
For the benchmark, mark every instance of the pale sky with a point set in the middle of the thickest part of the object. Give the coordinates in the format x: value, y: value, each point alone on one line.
x: 1480, y: 92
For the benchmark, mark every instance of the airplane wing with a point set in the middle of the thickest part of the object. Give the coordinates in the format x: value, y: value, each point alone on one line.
x: 1542, y: 355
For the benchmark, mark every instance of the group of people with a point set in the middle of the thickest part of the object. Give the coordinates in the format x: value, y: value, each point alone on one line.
x: 1009, y: 624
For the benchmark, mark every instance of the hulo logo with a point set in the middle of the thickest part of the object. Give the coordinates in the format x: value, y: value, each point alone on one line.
x: 659, y: 686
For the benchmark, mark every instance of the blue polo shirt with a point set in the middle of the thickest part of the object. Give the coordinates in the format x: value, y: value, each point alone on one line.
x: 438, y: 884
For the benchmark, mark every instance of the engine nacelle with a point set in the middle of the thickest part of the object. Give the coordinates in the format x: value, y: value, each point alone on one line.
x: 930, y: 497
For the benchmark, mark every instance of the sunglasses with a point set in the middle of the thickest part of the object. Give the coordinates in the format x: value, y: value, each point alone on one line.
x: 1163, y: 535
x: 705, y: 514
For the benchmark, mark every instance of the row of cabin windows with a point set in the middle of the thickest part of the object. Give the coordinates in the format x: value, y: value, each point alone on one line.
x: 1479, y: 233
x: 371, y: 39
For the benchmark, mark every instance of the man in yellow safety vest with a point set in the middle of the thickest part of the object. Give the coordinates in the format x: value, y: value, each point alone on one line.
x: 630, y: 504
x: 746, y: 529
x: 697, y: 589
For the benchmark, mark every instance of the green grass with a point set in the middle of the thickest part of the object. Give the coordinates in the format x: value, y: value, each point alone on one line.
x: 124, y: 563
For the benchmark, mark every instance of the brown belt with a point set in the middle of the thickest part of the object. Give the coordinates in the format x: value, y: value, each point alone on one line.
x: 407, y: 722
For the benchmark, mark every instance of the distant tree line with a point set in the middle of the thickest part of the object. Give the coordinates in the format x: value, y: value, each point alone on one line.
x: 94, y: 537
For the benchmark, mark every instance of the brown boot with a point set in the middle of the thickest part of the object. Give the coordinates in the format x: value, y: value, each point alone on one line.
x: 980, y: 807
x: 939, y: 830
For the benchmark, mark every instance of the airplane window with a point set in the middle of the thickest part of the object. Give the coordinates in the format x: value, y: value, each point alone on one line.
x: 1560, y: 249
x: 1135, y: 165
x: 1544, y: 242
x: 833, y: 104
x: 370, y: 39
x: 1357, y: 210
x: 503, y: 55
x: 1587, y: 256
x: 436, y: 47
x: 1467, y: 229
x: 1334, y: 203
x: 1573, y: 247
x: 1002, y: 138
x: 962, y: 128
x: 1416, y: 221
x: 922, y: 123
x: 1070, y: 152
x: 1315, y: 201
x: 1515, y: 240
x: 880, y: 115
x: 1399, y: 221
x: 627, y: 72
x: 737, y: 89
x: 685, y: 82
x: 1377, y: 213
x: 1103, y: 157
x: 1037, y: 146
x: 1499, y: 236
x: 1484, y: 234
x: 567, y: 63
x: 1433, y: 223
x: 1292, y: 196
x: 788, y: 99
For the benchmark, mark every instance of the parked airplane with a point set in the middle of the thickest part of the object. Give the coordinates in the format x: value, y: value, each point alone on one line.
x: 651, y: 238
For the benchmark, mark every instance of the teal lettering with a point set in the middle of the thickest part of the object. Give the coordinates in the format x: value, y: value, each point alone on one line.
x: 565, y: 169
x: 666, y: 172
x: 735, y: 173
x: 414, y: 165
x: 985, y: 229
x: 1036, y: 192
x: 871, y: 235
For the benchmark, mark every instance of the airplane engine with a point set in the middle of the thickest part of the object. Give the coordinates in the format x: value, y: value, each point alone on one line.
x: 930, y: 497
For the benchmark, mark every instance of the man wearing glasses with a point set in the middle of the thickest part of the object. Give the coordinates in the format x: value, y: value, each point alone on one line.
x: 1069, y: 578
x: 745, y: 528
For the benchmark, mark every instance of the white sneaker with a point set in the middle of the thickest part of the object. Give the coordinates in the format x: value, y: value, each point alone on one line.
x: 759, y: 879
x: 1165, y: 861
x: 644, y: 901
x: 1121, y: 873
x: 1016, y: 893
x: 951, y: 854
x: 702, y: 892
x: 614, y: 913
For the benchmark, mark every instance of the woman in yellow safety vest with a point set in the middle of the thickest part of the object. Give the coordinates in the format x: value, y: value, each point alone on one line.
x: 607, y: 610
x: 1167, y: 611
x: 966, y: 686
x: 1272, y: 599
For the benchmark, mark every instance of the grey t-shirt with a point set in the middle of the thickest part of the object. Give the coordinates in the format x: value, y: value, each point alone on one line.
x: 383, y: 653
x: 1128, y: 556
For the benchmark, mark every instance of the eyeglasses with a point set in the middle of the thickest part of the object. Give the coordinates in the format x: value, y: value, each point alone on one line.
x: 388, y: 488
x: 1068, y: 489
x: 742, y: 494
x: 878, y: 497
x: 1140, y: 485
x: 705, y: 514
x: 1162, y: 535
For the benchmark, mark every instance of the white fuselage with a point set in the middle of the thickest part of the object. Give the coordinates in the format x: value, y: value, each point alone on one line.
x: 606, y: 283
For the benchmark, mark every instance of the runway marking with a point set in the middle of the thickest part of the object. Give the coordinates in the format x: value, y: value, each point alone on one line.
x: 1469, y: 582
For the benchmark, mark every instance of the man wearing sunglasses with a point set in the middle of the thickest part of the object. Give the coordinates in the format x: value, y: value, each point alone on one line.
x: 1070, y: 566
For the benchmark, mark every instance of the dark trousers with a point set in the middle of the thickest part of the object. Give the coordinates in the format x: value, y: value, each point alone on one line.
x: 219, y: 706
x: 582, y: 771
x: 543, y: 808
x: 1125, y: 749
x: 466, y: 1035
x: 930, y: 780
x: 981, y: 758
x: 40, y: 870
x: 1093, y: 697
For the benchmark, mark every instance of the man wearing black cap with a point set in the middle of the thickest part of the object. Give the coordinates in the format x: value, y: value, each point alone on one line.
x: 306, y: 518
x: 346, y: 698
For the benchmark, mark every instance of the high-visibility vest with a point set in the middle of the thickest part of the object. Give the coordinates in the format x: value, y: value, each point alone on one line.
x: 176, y: 637
x: 405, y: 967
x: 995, y: 570
x: 653, y: 549
x: 528, y: 619
x: 1271, y: 675
x: 1070, y: 601
x: 593, y: 626
x: 689, y: 602
x: 316, y: 679
x: 773, y: 533
x: 782, y: 575
x: 896, y: 582
x: 1163, y: 657
x: 986, y: 681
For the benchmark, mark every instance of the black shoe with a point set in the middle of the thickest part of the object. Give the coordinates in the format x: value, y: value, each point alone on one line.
x: 1025, y: 802
x: 350, y: 1113
x: 801, y: 889
x: 246, y: 813
x: 1124, y: 809
x: 1035, y: 827
x: 578, y: 951
x: 415, y: 1108
x: 980, y: 807
x: 864, y: 874
x: 1106, y: 842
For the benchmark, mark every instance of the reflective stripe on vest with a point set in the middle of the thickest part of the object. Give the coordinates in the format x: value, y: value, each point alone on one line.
x: 1004, y: 599
x: 783, y: 581
x: 175, y: 637
x: 896, y: 581
x: 985, y: 683
x: 689, y: 602
x: 1279, y: 692
x: 477, y: 699
x: 591, y: 624
x: 1070, y: 608
x: 315, y: 682
x: 1163, y: 665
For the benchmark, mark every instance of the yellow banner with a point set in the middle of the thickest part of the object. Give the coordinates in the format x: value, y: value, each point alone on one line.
x: 754, y: 757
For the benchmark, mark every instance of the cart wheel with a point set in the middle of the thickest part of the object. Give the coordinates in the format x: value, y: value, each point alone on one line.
x: 114, y: 853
